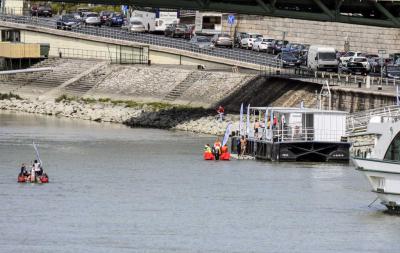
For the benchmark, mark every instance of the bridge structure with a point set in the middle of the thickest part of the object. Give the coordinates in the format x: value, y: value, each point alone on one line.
x: 382, y: 13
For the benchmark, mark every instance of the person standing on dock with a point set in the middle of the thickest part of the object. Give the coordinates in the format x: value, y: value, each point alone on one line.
x: 256, y: 128
x: 243, y: 144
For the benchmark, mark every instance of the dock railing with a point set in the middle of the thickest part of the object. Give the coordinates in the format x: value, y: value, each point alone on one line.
x: 298, y: 133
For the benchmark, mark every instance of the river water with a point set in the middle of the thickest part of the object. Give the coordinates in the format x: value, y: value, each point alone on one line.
x: 116, y: 189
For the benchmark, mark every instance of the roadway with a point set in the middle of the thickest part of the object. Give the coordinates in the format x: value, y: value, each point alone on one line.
x: 240, y: 55
x: 268, y: 64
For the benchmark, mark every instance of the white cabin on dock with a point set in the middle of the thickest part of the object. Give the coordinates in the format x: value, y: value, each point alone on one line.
x: 285, y: 133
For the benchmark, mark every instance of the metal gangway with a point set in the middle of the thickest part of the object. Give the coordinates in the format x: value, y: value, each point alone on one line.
x: 356, y: 123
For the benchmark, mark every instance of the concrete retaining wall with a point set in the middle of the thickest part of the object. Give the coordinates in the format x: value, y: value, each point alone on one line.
x: 361, y: 38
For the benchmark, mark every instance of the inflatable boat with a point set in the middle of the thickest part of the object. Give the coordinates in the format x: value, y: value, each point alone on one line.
x: 208, y: 156
x: 28, y: 179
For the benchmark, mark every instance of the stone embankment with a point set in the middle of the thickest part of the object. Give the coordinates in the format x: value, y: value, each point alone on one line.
x: 152, y: 115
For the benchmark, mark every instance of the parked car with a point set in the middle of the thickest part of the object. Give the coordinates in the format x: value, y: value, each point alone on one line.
x: 222, y: 40
x: 91, y: 18
x: 175, y: 30
x: 276, y: 46
x: 104, y: 16
x: 357, y: 65
x: 67, y: 22
x: 189, y: 32
x: 391, y: 71
x: 294, y: 48
x: 238, y: 38
x: 346, y: 57
x: 41, y: 11
x: 248, y: 40
x: 115, y: 19
x: 136, y: 26
x: 203, y: 42
x: 261, y: 44
x: 76, y: 15
x: 288, y: 59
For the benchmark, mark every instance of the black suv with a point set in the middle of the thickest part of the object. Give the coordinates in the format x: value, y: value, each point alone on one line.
x: 41, y: 11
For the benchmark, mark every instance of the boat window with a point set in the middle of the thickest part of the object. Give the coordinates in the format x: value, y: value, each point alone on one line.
x: 393, y: 152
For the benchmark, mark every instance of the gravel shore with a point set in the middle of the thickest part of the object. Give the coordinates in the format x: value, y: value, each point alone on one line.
x: 196, y: 120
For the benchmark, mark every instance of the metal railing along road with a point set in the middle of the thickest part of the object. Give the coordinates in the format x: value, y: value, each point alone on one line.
x: 113, y: 57
x: 238, y: 55
x: 333, y: 78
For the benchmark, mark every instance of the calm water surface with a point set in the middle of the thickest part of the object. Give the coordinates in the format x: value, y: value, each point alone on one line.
x: 115, y: 189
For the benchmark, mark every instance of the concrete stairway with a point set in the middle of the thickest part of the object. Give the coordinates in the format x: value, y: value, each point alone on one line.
x: 183, y: 86
x: 36, y: 83
x: 86, y: 83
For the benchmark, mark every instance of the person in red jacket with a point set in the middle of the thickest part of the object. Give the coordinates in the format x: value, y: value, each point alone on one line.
x: 221, y: 112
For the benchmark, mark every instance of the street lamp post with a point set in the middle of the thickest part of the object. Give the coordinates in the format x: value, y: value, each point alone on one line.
x: 381, y: 52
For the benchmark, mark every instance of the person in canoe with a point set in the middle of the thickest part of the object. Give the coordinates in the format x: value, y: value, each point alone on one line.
x: 24, y: 172
x: 208, y: 155
x: 37, y: 167
x: 225, y: 155
x: 217, y: 149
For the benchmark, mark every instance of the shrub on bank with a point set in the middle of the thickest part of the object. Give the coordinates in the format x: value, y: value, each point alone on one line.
x: 10, y: 95
x: 126, y: 103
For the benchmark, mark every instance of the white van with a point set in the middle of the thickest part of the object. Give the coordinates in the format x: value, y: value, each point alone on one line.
x: 142, y: 21
x: 164, y: 19
x: 322, y: 58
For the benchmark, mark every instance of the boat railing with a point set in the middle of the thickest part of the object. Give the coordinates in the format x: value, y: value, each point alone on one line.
x: 357, y: 123
x: 298, y: 133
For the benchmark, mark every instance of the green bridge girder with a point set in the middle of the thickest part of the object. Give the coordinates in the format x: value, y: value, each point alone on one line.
x: 363, y: 12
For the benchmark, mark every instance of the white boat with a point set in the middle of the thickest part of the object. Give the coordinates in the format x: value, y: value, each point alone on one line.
x: 381, y: 163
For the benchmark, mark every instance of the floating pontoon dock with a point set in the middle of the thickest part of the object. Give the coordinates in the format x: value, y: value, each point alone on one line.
x: 295, y: 134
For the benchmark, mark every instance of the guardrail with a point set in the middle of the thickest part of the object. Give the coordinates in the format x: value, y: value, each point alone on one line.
x: 150, y: 39
x: 334, y: 79
x: 114, y: 57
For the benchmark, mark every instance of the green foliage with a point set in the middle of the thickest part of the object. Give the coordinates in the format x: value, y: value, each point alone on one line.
x: 127, y: 103
x: 71, y: 7
x: 10, y: 95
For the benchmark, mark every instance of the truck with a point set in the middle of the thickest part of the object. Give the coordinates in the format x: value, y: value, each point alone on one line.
x: 142, y: 21
x: 164, y: 19
x: 208, y: 23
x: 322, y: 58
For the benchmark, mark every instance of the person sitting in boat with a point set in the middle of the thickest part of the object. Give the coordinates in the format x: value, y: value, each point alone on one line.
x: 207, y: 148
x: 225, y: 155
x: 24, y: 171
x: 217, y: 148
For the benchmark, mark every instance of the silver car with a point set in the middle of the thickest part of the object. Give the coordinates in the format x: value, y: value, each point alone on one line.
x: 222, y: 40
x: 91, y: 18
x: 202, y: 42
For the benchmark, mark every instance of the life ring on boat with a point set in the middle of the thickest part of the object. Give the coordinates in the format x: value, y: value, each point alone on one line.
x: 208, y: 156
